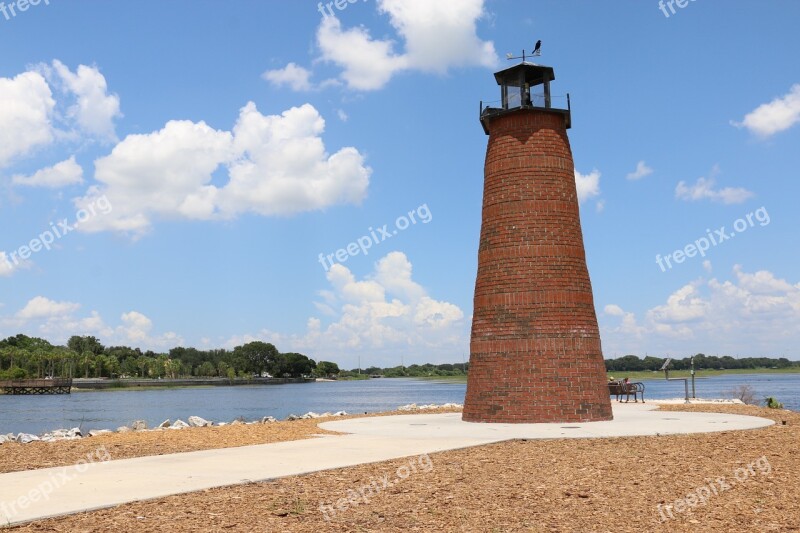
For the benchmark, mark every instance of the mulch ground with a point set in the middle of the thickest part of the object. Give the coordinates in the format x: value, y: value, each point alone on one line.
x: 748, y: 479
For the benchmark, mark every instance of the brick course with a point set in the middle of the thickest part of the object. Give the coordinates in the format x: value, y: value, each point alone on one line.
x: 535, y: 351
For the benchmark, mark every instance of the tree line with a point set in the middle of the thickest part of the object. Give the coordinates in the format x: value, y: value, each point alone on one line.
x: 30, y: 357
x: 411, y: 371
x: 632, y: 363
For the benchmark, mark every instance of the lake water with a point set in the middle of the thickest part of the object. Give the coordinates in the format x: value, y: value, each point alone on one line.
x: 111, y: 409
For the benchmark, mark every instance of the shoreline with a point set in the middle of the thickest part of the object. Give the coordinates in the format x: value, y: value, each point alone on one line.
x: 83, y: 384
x: 650, y: 375
x: 140, y: 426
x: 130, y: 443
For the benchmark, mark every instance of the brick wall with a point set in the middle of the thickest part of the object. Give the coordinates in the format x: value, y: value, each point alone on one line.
x: 535, y: 351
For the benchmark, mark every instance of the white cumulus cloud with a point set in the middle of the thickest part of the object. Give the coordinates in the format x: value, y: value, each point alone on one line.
x: 67, y: 172
x: 51, y: 104
x: 382, y: 316
x: 774, y: 117
x: 753, y: 314
x: 588, y: 185
x: 292, y: 75
x: 57, y: 321
x: 367, y: 64
x: 705, y: 189
x: 434, y: 37
x: 26, y: 107
x: 41, y: 307
x: 276, y: 165
x: 94, y: 110
x: 642, y: 171
x: 135, y: 330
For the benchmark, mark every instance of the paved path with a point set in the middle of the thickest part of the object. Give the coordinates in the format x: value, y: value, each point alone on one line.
x: 37, y: 494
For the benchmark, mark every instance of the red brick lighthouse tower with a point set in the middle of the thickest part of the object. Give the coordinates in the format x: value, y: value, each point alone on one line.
x: 535, y: 350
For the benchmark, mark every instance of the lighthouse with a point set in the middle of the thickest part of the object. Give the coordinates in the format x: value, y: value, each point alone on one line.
x: 535, y: 352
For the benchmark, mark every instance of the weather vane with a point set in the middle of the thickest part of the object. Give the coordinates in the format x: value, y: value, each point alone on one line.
x: 537, y: 51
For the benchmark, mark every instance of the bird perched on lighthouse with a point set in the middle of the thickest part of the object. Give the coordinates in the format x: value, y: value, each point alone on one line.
x: 537, y: 51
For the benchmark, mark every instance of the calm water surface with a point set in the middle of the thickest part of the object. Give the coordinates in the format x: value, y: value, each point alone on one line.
x: 111, y: 409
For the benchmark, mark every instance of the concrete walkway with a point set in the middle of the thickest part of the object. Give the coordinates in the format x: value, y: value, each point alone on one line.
x: 37, y: 494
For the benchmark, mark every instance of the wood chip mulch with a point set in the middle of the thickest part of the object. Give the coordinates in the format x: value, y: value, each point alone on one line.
x: 549, y: 486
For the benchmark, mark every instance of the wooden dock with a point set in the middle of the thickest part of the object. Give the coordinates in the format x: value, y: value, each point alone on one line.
x: 36, y: 386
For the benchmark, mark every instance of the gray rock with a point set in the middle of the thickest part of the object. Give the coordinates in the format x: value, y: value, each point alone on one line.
x: 96, y: 432
x: 237, y: 422
x: 165, y: 424
x: 292, y: 418
x: 198, y: 422
x: 3, y: 439
x: 340, y: 413
x: 179, y: 424
x: 25, y: 438
x: 268, y: 420
x: 61, y: 434
x: 139, y: 425
x: 123, y: 429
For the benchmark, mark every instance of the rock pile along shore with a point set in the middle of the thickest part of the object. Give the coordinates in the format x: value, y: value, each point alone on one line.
x: 192, y: 422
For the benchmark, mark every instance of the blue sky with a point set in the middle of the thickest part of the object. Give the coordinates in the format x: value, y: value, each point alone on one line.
x: 212, y: 151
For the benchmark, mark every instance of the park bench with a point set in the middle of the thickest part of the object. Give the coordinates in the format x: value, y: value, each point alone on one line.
x: 621, y: 388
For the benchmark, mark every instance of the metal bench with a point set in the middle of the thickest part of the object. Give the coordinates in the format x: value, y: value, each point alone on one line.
x: 620, y: 389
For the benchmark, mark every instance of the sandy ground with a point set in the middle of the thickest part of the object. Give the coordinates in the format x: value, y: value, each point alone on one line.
x: 733, y: 481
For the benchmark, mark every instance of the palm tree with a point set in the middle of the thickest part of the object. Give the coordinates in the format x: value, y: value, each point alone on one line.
x: 86, y: 359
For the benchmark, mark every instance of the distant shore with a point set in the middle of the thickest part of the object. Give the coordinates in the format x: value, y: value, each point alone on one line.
x: 104, y: 384
x: 639, y: 375
x: 655, y: 374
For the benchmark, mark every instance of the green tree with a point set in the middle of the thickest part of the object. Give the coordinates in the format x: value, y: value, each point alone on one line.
x: 294, y: 365
x: 129, y: 367
x: 14, y: 372
x: 85, y: 344
x: 173, y: 367
x: 206, y: 369
x: 257, y: 357
x: 326, y: 368
x: 143, y: 365
x: 112, y: 366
